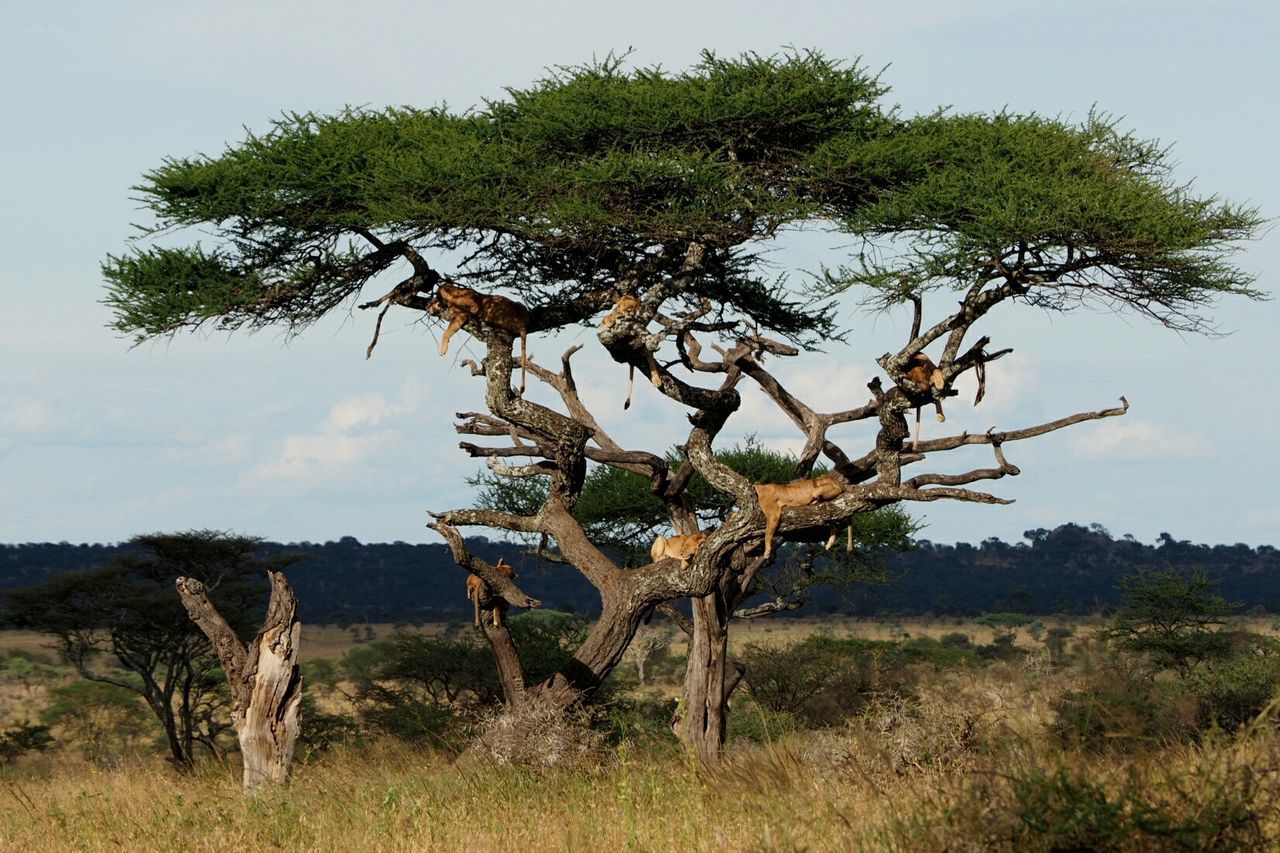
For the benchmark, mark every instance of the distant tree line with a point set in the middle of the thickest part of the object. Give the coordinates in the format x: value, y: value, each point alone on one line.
x: 1070, y: 569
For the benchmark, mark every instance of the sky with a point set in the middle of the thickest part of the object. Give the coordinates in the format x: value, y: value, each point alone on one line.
x: 302, y: 439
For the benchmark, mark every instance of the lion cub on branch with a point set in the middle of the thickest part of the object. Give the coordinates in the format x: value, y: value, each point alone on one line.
x: 775, y: 497
x: 478, y: 589
x: 463, y: 303
x: 680, y: 547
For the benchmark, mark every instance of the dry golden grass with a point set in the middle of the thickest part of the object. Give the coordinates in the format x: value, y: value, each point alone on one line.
x: 29, y: 642
x: 964, y: 764
x: 830, y: 791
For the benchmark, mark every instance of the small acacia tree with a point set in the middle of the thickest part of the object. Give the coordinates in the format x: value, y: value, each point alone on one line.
x: 600, y: 182
x: 1171, y: 618
x: 128, y: 610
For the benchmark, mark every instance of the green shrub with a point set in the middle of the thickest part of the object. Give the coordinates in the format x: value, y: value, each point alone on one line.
x: 102, y: 720
x: 1118, y: 712
x: 320, y: 672
x: 820, y: 679
x: 322, y: 730
x: 22, y: 738
x: 1233, y: 691
x: 644, y: 722
x: 1002, y: 648
x: 753, y: 722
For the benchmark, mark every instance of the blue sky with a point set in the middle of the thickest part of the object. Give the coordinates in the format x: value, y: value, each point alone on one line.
x: 303, y: 439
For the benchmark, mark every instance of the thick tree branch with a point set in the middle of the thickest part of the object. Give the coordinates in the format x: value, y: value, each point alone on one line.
x: 499, y: 582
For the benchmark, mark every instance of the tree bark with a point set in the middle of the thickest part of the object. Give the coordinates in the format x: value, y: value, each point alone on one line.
x: 705, y: 721
x: 266, y: 684
x: 510, y: 671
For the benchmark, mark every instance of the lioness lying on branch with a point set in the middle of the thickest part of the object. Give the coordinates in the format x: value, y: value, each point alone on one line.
x: 775, y: 497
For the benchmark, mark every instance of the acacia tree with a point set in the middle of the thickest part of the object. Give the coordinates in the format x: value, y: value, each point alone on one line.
x: 128, y: 610
x: 599, y: 182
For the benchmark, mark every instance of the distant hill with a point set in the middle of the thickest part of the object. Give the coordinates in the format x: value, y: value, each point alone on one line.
x: 1070, y: 569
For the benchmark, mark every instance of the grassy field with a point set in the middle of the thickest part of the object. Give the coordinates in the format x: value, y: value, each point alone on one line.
x: 963, y: 761
x: 853, y: 789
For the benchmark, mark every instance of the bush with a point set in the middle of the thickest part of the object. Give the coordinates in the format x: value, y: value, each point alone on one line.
x: 1233, y: 691
x: 23, y: 738
x: 1001, y: 648
x: 753, y: 722
x: 643, y: 722
x: 823, y: 681
x: 322, y: 731
x: 320, y: 672
x: 820, y: 680
x: 1118, y: 712
x: 101, y: 719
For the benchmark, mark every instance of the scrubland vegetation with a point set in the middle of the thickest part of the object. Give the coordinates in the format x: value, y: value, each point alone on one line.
x: 849, y: 735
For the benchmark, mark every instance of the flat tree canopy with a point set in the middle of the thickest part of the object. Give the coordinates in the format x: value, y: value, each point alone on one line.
x: 601, y: 182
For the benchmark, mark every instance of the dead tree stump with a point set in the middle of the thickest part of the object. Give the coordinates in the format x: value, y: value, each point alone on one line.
x: 266, y: 684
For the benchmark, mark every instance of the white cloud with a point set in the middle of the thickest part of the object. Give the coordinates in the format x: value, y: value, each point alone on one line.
x: 221, y: 450
x: 1009, y: 380
x: 306, y: 460
x: 1263, y: 517
x: 1132, y: 440
x: 340, y: 448
x: 31, y: 417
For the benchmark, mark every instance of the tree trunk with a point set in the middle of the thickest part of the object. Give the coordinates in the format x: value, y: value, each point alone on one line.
x: 703, y: 726
x: 266, y: 685
x: 510, y: 671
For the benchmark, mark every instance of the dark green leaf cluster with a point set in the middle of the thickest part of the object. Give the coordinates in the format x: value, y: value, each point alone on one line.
x: 591, y: 175
x: 1172, y: 618
x: 619, y: 508
x: 598, y: 177
x: 1071, y: 213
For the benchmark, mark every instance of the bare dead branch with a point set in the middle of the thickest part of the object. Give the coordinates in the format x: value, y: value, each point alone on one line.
x: 539, y: 469
x: 991, y: 436
x: 474, y: 450
x: 498, y: 581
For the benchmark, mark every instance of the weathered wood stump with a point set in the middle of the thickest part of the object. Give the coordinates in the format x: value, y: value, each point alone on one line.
x: 266, y: 684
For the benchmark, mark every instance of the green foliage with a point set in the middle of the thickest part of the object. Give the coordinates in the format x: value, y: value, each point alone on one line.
x: 646, y: 723
x: 546, y: 640
x: 822, y: 680
x: 950, y: 650
x: 1171, y: 618
x: 761, y: 724
x: 1232, y: 691
x: 1055, y: 640
x: 618, y: 508
x: 1065, y: 811
x: 1091, y: 212
x: 101, y: 720
x: 22, y: 738
x: 416, y: 668
x: 320, y: 672
x: 322, y: 730
x: 1002, y: 647
x: 564, y: 185
x: 1003, y: 620
x: 425, y: 688
x: 1118, y: 714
